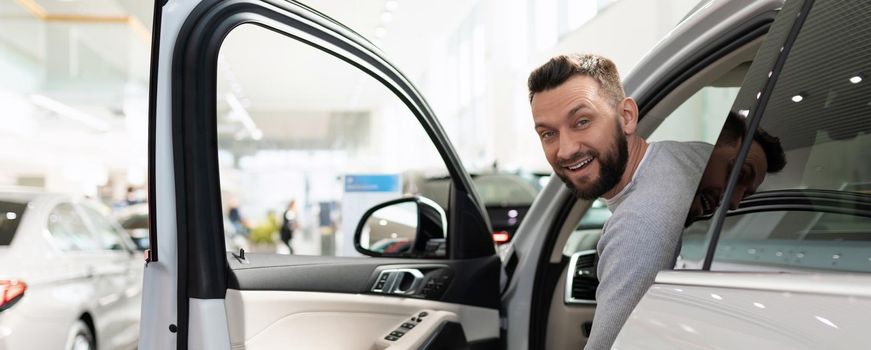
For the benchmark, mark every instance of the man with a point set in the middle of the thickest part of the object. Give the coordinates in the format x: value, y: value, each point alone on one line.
x: 765, y: 156
x: 587, y: 128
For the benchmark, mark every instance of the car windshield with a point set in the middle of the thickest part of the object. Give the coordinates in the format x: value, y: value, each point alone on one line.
x: 10, y: 216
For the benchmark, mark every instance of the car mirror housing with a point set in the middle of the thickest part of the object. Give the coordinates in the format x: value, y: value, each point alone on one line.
x: 408, y: 227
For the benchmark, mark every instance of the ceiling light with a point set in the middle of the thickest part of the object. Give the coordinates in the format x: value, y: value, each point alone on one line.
x: 11, y: 216
x: 68, y: 112
x: 391, y: 5
x: 797, y: 98
x: 380, y: 32
x: 856, y: 80
x: 386, y: 17
x: 759, y: 305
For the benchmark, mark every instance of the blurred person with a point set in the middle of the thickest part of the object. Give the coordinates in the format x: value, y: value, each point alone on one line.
x: 240, y: 225
x: 134, y: 196
x: 289, y: 224
x: 587, y: 128
x: 765, y: 156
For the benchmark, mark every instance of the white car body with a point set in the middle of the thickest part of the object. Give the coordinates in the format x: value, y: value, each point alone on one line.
x: 102, y: 288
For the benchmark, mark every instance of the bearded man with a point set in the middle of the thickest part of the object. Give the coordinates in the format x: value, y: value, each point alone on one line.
x: 587, y: 128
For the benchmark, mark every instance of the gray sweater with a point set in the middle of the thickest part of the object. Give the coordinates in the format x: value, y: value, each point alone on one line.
x: 642, y: 237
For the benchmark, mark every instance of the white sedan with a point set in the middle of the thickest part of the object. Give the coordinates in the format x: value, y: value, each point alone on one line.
x: 69, y: 278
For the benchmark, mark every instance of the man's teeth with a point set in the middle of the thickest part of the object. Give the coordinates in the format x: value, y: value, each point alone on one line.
x: 582, y: 163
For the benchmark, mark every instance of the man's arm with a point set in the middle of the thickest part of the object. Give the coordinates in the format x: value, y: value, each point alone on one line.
x: 633, y: 248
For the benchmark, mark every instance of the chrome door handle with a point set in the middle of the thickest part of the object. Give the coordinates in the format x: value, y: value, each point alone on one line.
x: 398, y: 281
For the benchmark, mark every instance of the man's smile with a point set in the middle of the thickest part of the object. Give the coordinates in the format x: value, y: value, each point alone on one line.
x: 581, y: 163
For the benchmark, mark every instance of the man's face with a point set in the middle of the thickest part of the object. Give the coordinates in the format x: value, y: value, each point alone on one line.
x: 581, y: 135
x: 713, y: 182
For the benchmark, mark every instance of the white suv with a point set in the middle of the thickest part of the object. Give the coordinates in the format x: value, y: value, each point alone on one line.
x: 794, y: 256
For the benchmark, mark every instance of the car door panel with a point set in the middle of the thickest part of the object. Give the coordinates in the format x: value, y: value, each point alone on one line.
x: 299, y: 319
x: 736, y: 310
x: 279, y: 299
x: 470, y: 282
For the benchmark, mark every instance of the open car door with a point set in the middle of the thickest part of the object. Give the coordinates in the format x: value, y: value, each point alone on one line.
x: 257, y: 102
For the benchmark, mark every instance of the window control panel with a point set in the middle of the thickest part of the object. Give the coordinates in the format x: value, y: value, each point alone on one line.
x: 407, y: 326
x: 411, y: 331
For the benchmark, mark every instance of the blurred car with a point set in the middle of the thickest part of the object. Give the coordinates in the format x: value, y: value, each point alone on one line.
x: 506, y: 196
x: 134, y: 220
x: 70, y: 278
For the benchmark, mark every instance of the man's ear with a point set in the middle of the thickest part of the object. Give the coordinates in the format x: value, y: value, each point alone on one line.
x: 627, y: 111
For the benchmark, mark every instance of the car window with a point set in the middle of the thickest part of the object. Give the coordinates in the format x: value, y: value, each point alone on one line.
x: 307, y: 147
x: 812, y: 212
x: 700, y: 117
x: 69, y: 230
x: 107, y: 234
x: 10, y: 217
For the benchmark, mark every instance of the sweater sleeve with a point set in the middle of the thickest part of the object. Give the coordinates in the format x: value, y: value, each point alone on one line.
x: 633, y: 250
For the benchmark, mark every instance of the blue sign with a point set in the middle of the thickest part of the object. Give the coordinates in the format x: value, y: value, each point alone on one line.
x: 372, y: 183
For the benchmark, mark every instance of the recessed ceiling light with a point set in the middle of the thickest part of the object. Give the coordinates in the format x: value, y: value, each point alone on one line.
x: 797, y: 98
x: 856, y: 80
x: 391, y: 5
x: 386, y: 17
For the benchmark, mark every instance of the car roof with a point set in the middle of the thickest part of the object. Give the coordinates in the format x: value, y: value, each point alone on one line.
x: 25, y: 194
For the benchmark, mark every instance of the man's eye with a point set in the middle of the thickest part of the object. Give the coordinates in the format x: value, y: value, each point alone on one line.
x: 583, y: 122
x: 546, y: 135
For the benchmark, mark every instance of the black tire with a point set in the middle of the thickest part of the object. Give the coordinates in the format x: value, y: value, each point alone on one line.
x: 80, y: 337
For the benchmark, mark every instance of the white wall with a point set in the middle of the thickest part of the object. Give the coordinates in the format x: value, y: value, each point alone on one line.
x: 502, y: 124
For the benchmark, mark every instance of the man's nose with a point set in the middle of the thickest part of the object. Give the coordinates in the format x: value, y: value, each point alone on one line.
x: 568, y: 148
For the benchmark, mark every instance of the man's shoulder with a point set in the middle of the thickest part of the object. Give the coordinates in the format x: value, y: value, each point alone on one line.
x: 684, y: 146
x: 691, y: 153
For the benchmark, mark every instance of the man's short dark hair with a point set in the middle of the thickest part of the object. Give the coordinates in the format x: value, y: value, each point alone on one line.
x: 560, y: 68
x: 774, y: 154
x: 736, y: 127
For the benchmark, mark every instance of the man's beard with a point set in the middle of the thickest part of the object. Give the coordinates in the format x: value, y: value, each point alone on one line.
x: 611, y: 168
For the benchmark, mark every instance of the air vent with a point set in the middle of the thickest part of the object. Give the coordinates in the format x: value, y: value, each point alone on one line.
x: 581, y: 282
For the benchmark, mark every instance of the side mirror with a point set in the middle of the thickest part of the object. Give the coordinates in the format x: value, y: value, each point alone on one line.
x: 411, y: 227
